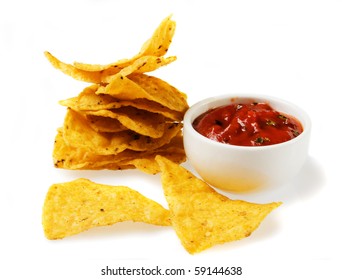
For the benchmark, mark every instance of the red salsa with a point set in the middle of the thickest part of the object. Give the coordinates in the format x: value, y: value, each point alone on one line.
x: 252, y: 124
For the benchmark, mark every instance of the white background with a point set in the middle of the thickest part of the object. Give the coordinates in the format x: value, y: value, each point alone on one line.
x: 289, y: 49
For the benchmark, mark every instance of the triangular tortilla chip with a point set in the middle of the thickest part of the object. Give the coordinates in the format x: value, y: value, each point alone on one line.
x: 148, y: 59
x: 157, y: 45
x: 79, y: 205
x: 201, y: 216
x: 138, y: 85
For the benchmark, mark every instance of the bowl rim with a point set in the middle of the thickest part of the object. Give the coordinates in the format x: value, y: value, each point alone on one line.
x: 189, y: 118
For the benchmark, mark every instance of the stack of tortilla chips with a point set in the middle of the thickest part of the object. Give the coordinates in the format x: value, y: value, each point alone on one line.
x: 125, y: 117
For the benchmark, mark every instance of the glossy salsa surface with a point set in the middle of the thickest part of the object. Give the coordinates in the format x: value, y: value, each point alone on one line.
x: 247, y: 124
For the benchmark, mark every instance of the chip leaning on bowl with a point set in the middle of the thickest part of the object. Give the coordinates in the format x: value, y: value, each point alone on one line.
x: 125, y: 117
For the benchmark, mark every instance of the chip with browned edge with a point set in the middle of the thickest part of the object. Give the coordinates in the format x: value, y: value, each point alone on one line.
x: 79, y: 205
x: 201, y: 216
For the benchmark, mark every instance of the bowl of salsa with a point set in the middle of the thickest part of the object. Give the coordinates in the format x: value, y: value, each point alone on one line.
x: 246, y: 142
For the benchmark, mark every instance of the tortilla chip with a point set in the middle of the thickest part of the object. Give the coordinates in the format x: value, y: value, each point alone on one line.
x: 88, y: 100
x: 78, y: 74
x: 104, y: 124
x: 76, y: 206
x: 161, y: 39
x: 157, y: 46
x: 78, y: 133
x: 201, y: 216
x: 76, y: 158
x: 140, y: 121
x: 149, y: 164
x: 143, y: 86
x: 162, y: 92
x: 141, y: 65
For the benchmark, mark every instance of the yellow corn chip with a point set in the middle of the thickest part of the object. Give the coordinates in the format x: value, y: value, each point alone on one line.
x: 79, y: 205
x: 162, y: 92
x: 157, y: 46
x: 65, y: 156
x: 149, y: 164
x: 140, y: 121
x: 161, y: 39
x: 123, y: 88
x: 89, y: 100
x: 69, y: 157
x: 143, y: 86
x: 201, y: 216
x: 104, y: 124
x: 142, y: 65
x: 78, y: 133
x: 78, y: 74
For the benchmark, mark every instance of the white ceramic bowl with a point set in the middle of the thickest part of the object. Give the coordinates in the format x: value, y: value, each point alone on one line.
x: 240, y: 168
